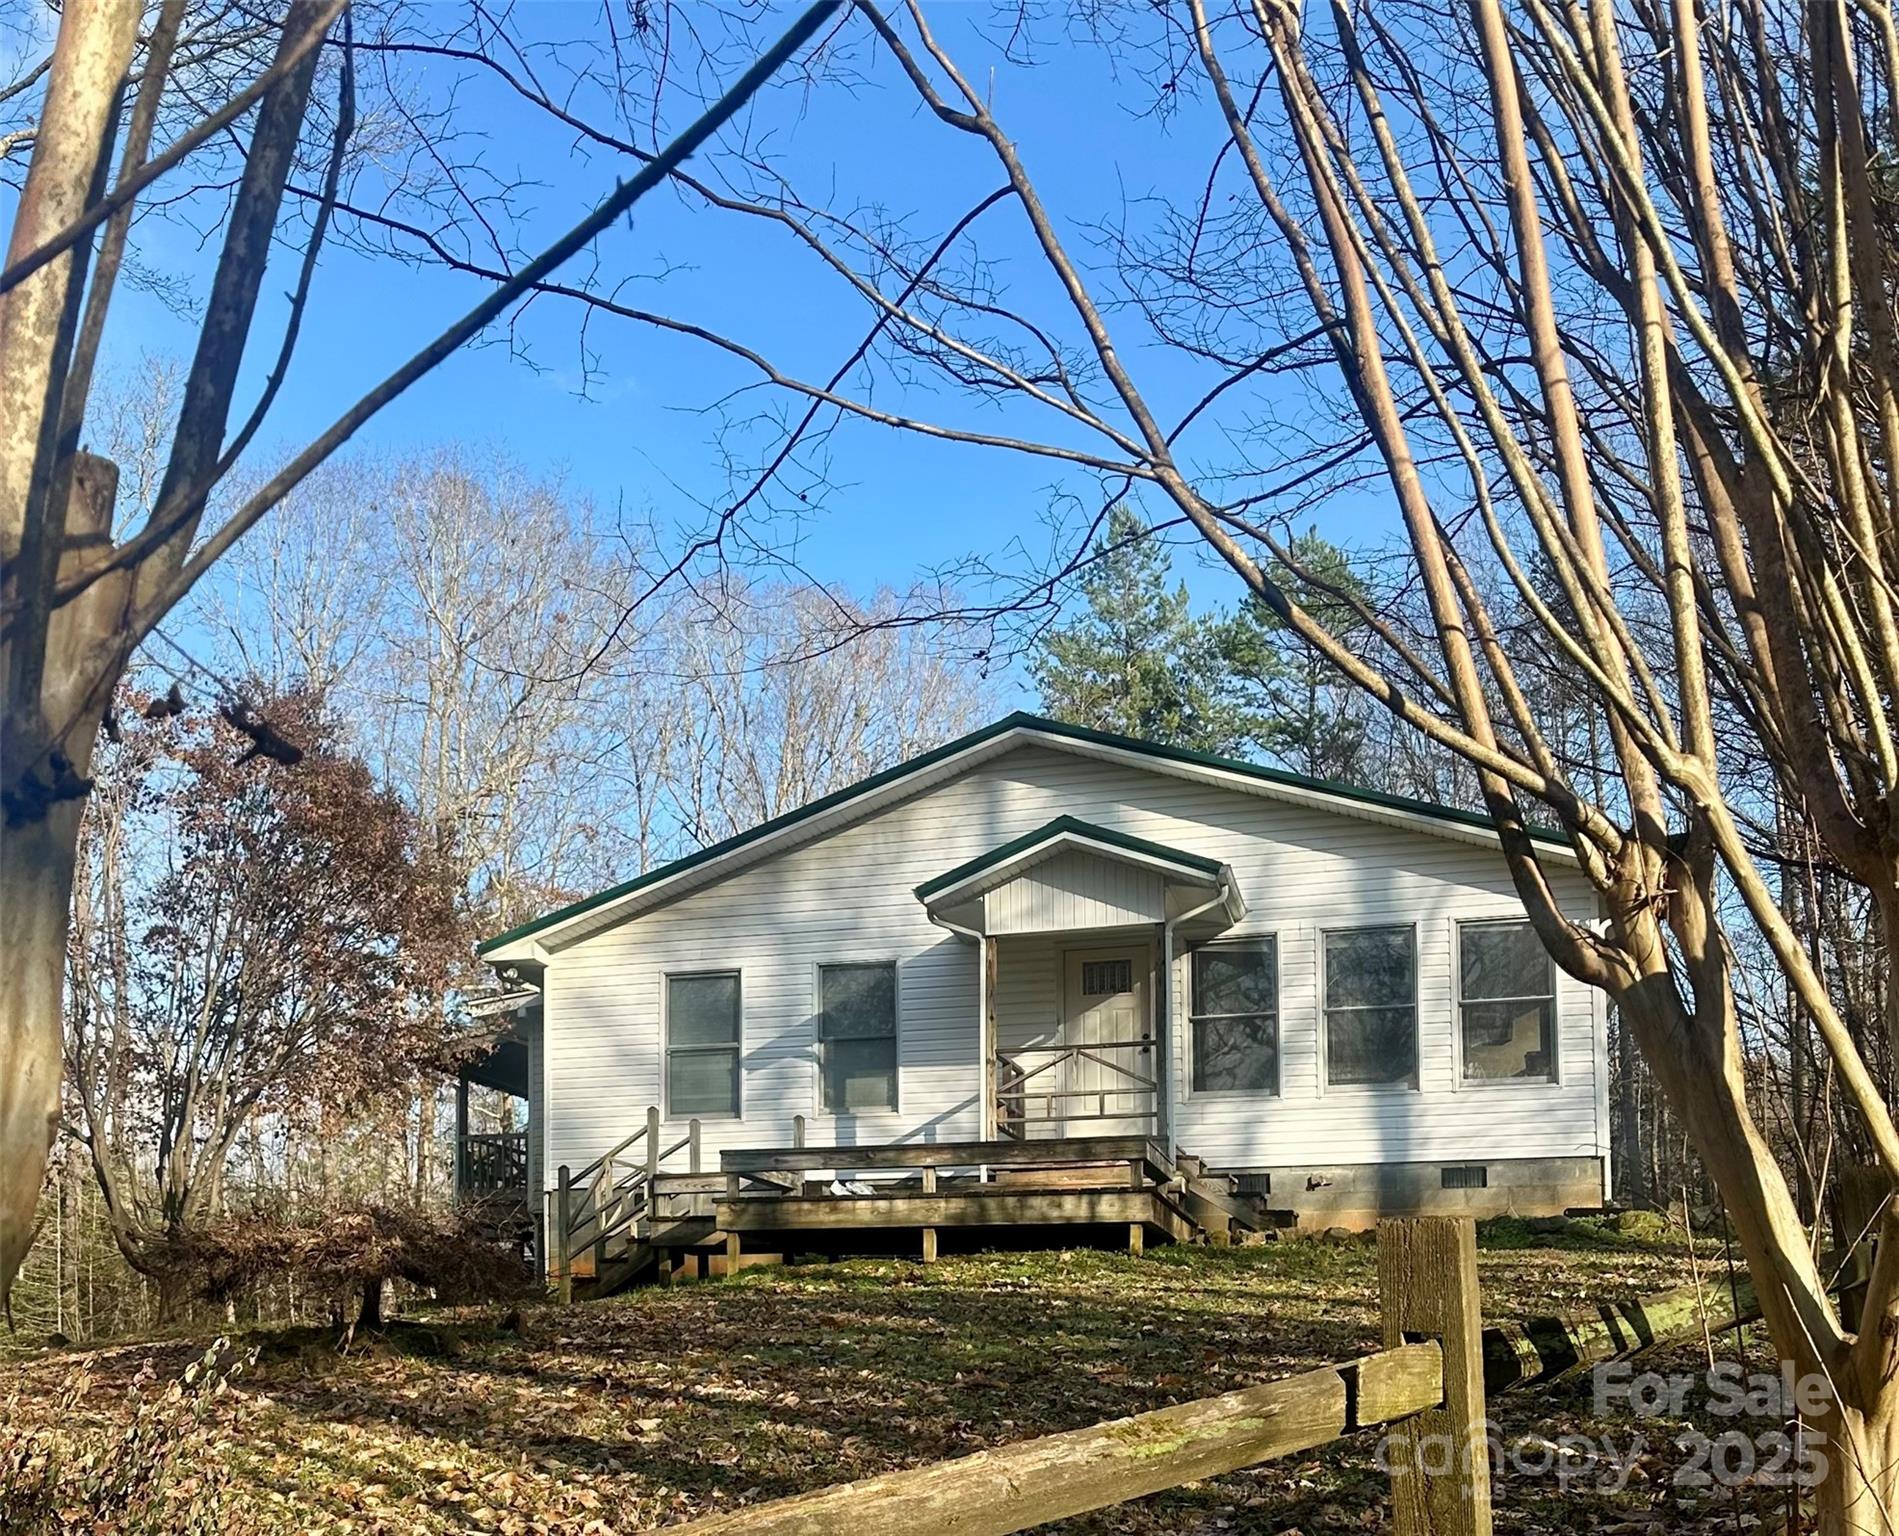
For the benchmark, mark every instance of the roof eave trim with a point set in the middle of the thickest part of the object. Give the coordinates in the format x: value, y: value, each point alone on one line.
x: 842, y: 805
x: 1019, y: 862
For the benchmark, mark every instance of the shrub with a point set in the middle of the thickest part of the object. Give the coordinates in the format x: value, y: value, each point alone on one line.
x: 351, y: 1251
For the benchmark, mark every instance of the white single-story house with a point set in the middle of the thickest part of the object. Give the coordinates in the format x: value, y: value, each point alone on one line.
x: 1042, y: 931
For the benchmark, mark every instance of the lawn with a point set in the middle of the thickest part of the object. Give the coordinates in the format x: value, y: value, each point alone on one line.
x: 647, y: 1409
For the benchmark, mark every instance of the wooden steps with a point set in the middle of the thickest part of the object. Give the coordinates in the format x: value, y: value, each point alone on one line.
x: 646, y: 1258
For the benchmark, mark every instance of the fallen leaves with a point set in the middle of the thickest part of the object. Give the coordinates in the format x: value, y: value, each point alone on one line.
x: 628, y: 1415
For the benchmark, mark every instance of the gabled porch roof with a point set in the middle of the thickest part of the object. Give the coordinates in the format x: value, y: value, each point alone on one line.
x: 1006, y: 861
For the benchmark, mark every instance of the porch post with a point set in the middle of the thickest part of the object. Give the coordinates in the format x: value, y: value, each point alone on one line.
x: 1163, y: 1039
x: 461, y: 1132
x: 986, y: 1033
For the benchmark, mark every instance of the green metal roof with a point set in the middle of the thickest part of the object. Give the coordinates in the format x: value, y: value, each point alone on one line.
x: 1064, y: 826
x: 1020, y: 720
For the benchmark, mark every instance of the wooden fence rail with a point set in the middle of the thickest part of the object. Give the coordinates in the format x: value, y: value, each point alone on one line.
x: 1018, y: 1486
x: 1518, y: 1354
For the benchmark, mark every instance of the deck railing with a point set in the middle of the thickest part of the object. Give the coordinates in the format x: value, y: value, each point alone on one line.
x: 1043, y: 1080
x: 491, y: 1163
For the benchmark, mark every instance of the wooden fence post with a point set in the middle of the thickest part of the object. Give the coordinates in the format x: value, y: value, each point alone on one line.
x: 797, y: 1130
x: 563, y: 1228
x: 1439, y: 1459
x: 692, y: 1146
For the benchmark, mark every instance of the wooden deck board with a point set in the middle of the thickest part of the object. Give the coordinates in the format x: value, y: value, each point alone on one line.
x: 984, y: 1206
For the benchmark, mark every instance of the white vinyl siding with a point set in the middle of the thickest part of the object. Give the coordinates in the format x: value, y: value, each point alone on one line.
x: 1302, y: 870
x: 1075, y: 889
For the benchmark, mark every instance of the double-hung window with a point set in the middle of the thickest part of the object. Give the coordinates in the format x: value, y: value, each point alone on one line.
x: 703, y: 1045
x: 1371, y: 1007
x: 857, y: 1038
x: 1235, y: 1017
x: 1506, y: 995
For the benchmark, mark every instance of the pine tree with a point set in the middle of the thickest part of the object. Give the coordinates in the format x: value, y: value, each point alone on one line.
x: 1137, y: 661
x: 1298, y: 709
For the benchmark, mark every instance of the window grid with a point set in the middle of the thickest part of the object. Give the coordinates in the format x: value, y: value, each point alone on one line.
x: 831, y: 1034
x: 1266, y: 1015
x: 1406, y: 1004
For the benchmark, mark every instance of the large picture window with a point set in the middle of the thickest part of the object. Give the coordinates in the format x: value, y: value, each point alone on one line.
x: 1371, y: 1007
x: 702, y: 1045
x: 1506, y: 993
x: 857, y: 1038
x: 1235, y: 1018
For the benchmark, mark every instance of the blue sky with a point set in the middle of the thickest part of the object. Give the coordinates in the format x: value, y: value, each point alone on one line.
x: 899, y: 505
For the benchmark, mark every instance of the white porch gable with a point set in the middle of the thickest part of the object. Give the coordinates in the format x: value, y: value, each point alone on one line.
x: 1072, y: 876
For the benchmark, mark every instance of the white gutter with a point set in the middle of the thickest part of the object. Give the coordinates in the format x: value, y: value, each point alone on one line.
x: 1219, y: 899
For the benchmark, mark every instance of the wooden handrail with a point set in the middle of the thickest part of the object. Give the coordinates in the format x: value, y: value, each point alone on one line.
x: 601, y: 1202
x: 995, y: 1493
x: 599, y: 1162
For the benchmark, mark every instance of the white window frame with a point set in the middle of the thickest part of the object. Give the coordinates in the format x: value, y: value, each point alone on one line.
x: 666, y: 980
x: 1487, y: 1084
x: 818, y: 968
x: 1371, y: 1090
x: 1237, y: 941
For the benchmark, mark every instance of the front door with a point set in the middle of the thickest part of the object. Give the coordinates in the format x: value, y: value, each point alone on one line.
x: 1108, y: 1040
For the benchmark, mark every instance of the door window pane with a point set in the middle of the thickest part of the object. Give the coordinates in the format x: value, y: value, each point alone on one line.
x: 857, y: 1038
x: 1507, y: 1001
x: 1235, y: 1018
x: 1371, y: 1013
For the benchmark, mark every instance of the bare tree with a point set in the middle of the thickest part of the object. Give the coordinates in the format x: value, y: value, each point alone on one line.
x: 757, y: 698
x: 76, y: 601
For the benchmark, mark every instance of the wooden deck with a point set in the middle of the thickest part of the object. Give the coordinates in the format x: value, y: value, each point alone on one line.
x: 632, y: 1221
x: 845, y: 1198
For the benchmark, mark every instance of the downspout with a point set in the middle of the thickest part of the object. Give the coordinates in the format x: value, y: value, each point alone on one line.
x: 985, y: 1109
x: 1218, y: 899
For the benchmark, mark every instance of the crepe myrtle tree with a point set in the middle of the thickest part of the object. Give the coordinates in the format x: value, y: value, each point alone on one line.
x: 1597, y: 297
x: 77, y: 595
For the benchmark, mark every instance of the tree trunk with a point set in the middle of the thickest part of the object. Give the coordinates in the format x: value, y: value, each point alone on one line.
x: 1858, y: 1493
x: 1628, y: 1117
x: 39, y: 845
x: 36, y: 877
